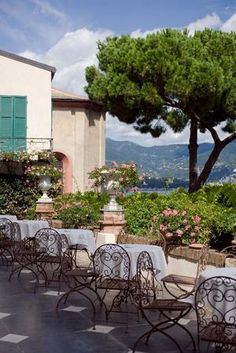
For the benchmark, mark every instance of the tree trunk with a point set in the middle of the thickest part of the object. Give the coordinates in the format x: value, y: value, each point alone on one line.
x: 209, y: 165
x: 218, y: 147
x: 193, y: 147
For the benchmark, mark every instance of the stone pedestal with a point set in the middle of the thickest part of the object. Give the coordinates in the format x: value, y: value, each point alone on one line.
x: 112, y: 221
x: 44, y: 210
x: 105, y: 238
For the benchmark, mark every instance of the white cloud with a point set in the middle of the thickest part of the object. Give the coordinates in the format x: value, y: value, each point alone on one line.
x: 47, y: 9
x: 122, y: 132
x: 230, y: 24
x: 70, y: 55
x: 209, y: 21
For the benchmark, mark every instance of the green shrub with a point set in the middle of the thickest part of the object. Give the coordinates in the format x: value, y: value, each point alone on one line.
x: 217, y: 221
x: 17, y: 195
x: 79, y: 209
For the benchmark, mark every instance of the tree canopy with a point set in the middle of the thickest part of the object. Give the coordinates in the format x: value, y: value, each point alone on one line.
x: 171, y: 77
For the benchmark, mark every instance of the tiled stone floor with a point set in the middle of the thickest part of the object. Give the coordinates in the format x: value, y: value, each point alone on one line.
x: 29, y: 324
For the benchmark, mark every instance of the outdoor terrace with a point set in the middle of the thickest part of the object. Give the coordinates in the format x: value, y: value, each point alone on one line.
x: 29, y: 324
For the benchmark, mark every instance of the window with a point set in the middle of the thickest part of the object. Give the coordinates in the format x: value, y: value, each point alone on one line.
x: 12, y: 123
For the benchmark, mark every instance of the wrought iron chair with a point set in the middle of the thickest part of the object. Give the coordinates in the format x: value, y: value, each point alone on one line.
x: 186, y: 285
x: 50, y: 254
x: 25, y: 254
x: 215, y: 305
x: 147, y: 297
x: 112, y: 269
x: 80, y: 278
x: 230, y: 255
x: 9, y: 238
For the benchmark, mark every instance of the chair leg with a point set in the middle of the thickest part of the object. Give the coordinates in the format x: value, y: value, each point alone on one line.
x: 150, y: 332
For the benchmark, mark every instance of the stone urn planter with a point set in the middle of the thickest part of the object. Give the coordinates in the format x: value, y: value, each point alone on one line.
x: 44, y: 186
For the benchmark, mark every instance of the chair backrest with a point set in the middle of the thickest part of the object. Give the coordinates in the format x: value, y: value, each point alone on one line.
x: 203, y: 259
x: 230, y: 255
x: 17, y: 231
x: 215, y: 304
x: 112, y: 261
x: 51, y: 242
x: 7, y: 229
x: 148, y: 286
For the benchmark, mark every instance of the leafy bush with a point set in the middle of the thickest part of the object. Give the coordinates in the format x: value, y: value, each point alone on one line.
x: 79, y: 209
x: 221, y: 194
x: 217, y: 221
x: 17, y: 195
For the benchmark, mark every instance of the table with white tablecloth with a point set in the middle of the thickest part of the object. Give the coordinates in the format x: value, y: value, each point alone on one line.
x: 217, y: 271
x: 28, y: 228
x: 11, y: 217
x: 222, y: 303
x: 156, y: 253
x: 80, y: 236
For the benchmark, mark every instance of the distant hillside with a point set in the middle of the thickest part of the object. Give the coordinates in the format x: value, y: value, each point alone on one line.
x: 171, y: 160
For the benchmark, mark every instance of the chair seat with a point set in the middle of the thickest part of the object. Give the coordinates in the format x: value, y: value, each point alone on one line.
x: 81, y: 272
x: 78, y: 247
x: 168, y: 304
x: 185, y: 280
x: 220, y: 333
x: 114, y: 284
x: 7, y: 243
x: 50, y: 259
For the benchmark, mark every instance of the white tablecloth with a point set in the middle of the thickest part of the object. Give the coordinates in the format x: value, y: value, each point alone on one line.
x: 217, y: 271
x: 80, y: 236
x: 11, y: 217
x: 156, y: 253
x: 28, y: 228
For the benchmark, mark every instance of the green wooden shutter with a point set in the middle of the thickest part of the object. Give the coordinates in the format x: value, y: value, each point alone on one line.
x: 19, y: 119
x: 6, y: 123
x: 12, y: 123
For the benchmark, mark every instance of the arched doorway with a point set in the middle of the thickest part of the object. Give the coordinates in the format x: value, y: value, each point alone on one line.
x: 66, y: 166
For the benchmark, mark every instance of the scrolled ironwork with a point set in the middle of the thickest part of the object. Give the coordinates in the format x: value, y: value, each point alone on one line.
x: 112, y: 269
x: 215, y: 304
x: 111, y: 260
x: 8, y: 240
x: 51, y: 242
x: 149, y: 302
x: 145, y: 277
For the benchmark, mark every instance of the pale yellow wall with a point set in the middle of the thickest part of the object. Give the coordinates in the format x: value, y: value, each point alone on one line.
x: 80, y: 135
x: 22, y: 79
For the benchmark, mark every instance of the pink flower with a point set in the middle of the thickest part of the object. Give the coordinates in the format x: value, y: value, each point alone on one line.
x: 179, y: 233
x: 169, y: 235
x: 184, y: 221
x: 167, y: 212
x: 175, y: 212
x: 196, y: 219
x: 184, y: 213
x: 162, y: 227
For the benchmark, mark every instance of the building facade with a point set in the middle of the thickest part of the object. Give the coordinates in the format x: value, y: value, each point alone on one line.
x: 35, y: 117
x: 78, y: 138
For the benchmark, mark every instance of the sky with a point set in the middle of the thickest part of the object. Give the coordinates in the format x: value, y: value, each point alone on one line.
x: 64, y: 34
